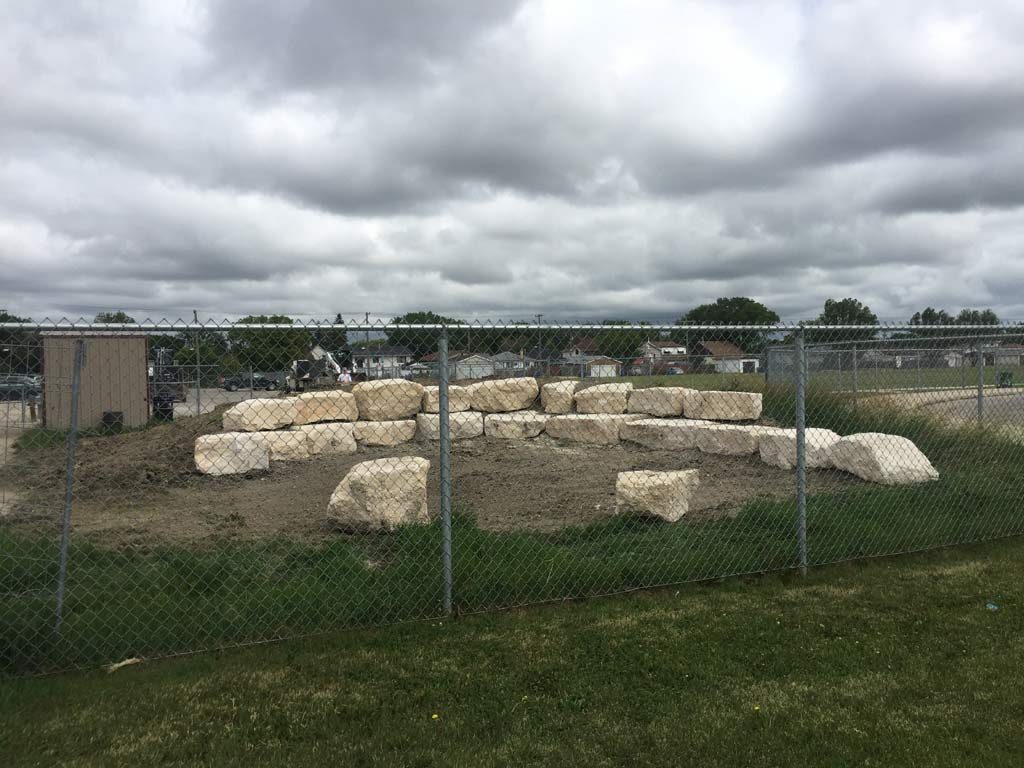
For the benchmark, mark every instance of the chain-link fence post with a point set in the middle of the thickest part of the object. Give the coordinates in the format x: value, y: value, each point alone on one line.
x: 854, y: 369
x: 801, y: 451
x: 446, y: 472
x: 981, y: 382
x: 69, y: 480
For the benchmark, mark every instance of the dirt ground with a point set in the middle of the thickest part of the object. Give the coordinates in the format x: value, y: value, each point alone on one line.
x: 141, y: 489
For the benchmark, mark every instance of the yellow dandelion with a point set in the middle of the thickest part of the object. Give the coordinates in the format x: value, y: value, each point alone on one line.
x: 435, y: 716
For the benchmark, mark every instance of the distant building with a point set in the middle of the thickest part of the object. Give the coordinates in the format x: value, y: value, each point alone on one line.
x: 589, y: 366
x: 726, y: 357
x: 381, y: 362
x: 461, y: 365
x: 510, y: 363
x: 659, y: 348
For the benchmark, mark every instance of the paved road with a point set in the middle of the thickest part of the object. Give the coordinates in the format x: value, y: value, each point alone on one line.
x: 1005, y: 409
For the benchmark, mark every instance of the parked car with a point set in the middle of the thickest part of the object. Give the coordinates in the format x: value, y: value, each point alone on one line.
x: 20, y: 387
x: 244, y: 381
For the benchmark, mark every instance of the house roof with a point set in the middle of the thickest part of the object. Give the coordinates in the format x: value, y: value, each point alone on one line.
x: 665, y: 343
x: 722, y: 349
x: 601, y: 361
x: 584, y: 344
x: 507, y: 357
x: 455, y: 357
x: 373, y: 351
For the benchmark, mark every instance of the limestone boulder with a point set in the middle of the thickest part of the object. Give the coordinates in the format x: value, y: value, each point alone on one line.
x: 722, y: 406
x: 882, y: 458
x: 594, y: 428
x: 668, y: 434
x: 284, y: 444
x: 503, y: 395
x: 382, y: 494
x: 659, y: 494
x: 387, y: 399
x: 461, y: 425
x: 332, y: 405
x: 778, y: 447
x: 557, y: 397
x: 458, y: 399
x: 604, y: 398
x: 515, y: 426
x: 385, y: 433
x: 726, y: 439
x: 329, y: 439
x: 259, y: 413
x: 657, y: 401
x: 230, y: 453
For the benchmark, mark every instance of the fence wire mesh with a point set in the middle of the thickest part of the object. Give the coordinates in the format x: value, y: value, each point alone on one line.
x: 171, y: 487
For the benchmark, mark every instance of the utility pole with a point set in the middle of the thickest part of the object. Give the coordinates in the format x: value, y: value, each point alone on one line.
x: 540, y: 340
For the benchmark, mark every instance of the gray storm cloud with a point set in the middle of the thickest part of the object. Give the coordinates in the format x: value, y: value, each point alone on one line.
x: 501, y: 159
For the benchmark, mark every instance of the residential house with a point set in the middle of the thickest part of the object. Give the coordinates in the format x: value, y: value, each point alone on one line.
x: 380, y: 362
x: 511, y: 364
x: 582, y: 345
x: 659, y: 348
x: 589, y: 366
x: 726, y: 357
x: 461, y: 365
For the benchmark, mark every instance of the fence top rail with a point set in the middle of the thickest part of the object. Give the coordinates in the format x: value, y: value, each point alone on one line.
x: 227, y: 325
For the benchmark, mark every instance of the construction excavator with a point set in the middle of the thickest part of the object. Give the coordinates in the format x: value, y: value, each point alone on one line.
x: 320, y: 370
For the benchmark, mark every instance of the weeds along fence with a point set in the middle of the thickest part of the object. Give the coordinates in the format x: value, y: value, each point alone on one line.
x: 172, y: 487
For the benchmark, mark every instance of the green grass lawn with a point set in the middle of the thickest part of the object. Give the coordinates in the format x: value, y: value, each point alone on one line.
x: 889, y: 662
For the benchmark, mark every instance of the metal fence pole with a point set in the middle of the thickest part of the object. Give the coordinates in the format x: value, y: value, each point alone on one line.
x: 854, y: 367
x: 199, y: 407
x: 69, y: 479
x: 981, y: 383
x: 446, y: 473
x: 801, y: 451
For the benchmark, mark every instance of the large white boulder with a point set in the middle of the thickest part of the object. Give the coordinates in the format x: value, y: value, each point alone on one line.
x: 382, y: 494
x: 670, y: 434
x: 596, y: 428
x: 230, y: 453
x: 502, y: 395
x: 458, y: 399
x: 722, y: 406
x: 331, y: 405
x: 388, y: 399
x: 385, y: 433
x: 329, y: 439
x: 285, y: 444
x: 604, y: 398
x: 661, y: 494
x: 461, y: 425
x: 516, y: 426
x: 259, y: 413
x: 657, y: 401
x: 882, y: 458
x: 778, y: 447
x: 726, y: 439
x: 557, y: 397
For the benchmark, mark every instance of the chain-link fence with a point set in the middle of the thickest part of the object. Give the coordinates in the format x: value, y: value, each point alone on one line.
x: 167, y: 488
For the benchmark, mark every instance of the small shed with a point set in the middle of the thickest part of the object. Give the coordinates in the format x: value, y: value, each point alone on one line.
x: 114, y: 378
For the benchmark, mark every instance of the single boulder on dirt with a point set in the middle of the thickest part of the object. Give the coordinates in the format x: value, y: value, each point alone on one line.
x: 882, y: 458
x: 333, y: 405
x: 515, y: 426
x: 329, y: 439
x: 385, y: 433
x: 659, y: 494
x: 382, y: 494
x: 502, y: 395
x: 557, y: 397
x: 722, y: 406
x: 726, y: 439
x: 778, y: 447
x: 461, y: 425
x: 595, y: 428
x: 230, y: 453
x: 284, y: 444
x: 388, y: 399
x: 458, y: 399
x: 670, y: 434
x: 604, y: 398
x: 657, y: 401
x: 260, y: 413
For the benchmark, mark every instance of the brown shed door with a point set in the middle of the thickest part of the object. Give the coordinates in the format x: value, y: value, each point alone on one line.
x: 114, y: 378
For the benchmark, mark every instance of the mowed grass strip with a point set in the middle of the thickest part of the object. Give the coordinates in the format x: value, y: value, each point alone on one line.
x: 910, y: 661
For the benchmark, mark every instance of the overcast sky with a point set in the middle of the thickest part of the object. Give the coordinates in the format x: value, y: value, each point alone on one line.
x: 497, y: 159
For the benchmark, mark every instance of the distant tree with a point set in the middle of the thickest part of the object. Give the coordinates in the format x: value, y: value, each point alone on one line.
x: 269, y: 350
x: 620, y: 343
x: 847, y: 311
x: 931, y: 316
x: 20, y: 351
x: 977, y: 317
x: 421, y: 341
x: 114, y: 317
x: 334, y: 338
x: 735, y: 310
